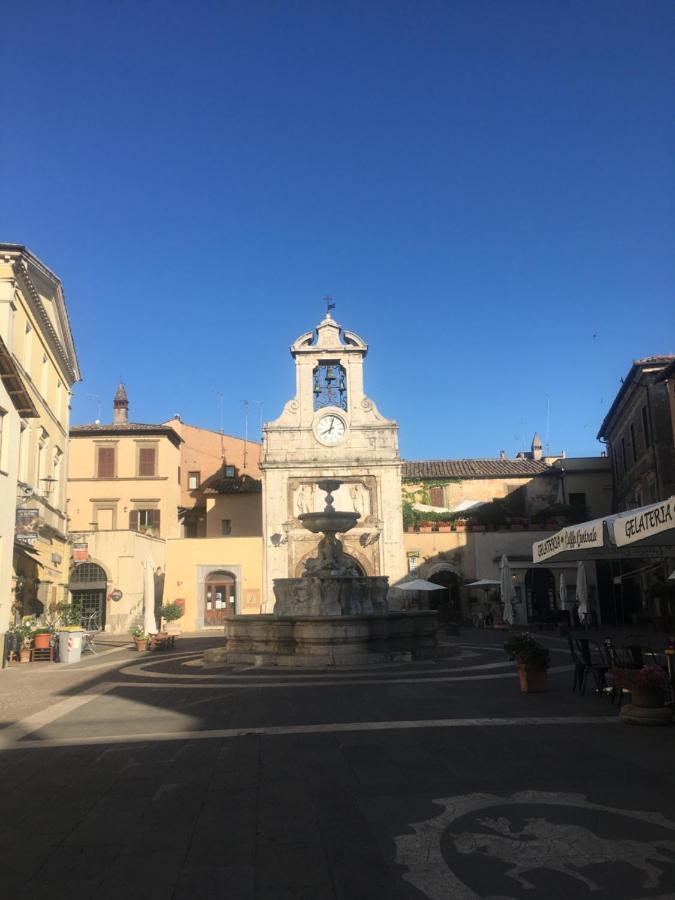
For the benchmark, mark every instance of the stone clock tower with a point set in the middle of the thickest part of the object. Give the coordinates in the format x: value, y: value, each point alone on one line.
x: 331, y: 429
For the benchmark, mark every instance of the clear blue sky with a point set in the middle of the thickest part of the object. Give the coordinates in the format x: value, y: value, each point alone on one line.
x: 486, y: 189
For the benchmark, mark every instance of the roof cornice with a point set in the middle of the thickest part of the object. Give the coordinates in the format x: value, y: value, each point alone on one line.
x: 66, y: 355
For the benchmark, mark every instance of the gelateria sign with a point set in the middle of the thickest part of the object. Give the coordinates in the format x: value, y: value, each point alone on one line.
x: 639, y: 524
x: 577, y: 537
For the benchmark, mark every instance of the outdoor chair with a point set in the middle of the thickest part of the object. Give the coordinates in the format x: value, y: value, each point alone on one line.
x: 92, y: 628
x: 595, y: 662
x: 579, y: 665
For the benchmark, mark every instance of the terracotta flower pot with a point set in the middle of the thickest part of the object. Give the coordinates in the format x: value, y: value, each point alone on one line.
x: 533, y: 680
x: 42, y: 641
x: 141, y: 644
x: 648, y: 698
x: 24, y: 655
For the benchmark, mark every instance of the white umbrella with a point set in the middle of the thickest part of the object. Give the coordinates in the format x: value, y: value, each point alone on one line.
x: 485, y: 584
x: 562, y: 592
x: 582, y: 592
x: 419, y: 585
x: 149, y: 622
x: 507, y: 591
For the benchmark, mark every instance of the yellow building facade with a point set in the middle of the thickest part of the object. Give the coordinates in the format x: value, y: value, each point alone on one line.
x: 213, y: 579
x: 124, y: 475
x: 38, y: 367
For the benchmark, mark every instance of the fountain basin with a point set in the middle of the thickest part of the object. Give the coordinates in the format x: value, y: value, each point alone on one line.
x: 318, y: 641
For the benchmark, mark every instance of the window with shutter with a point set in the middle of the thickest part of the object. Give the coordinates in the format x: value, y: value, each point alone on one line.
x: 146, y: 462
x: 436, y: 496
x: 105, y: 466
x: 133, y: 519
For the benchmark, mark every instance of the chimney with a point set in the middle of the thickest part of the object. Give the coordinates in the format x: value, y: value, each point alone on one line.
x: 120, y: 406
x: 502, y: 454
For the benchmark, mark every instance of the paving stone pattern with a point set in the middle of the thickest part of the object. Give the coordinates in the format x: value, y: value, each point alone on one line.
x: 326, y: 814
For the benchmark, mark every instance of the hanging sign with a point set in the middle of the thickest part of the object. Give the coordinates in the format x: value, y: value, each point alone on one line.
x: 80, y: 552
x: 27, y: 521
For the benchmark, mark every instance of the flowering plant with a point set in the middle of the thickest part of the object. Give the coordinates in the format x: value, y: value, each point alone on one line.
x: 525, y: 650
x: 652, y: 678
x: 139, y: 634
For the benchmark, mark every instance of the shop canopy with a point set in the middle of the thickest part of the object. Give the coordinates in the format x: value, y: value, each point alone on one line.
x: 648, y: 531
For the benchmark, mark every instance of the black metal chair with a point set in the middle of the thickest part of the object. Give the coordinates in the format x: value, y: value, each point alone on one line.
x: 579, y: 665
x: 595, y: 662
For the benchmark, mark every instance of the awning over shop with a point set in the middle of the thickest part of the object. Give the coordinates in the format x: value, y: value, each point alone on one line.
x: 649, y: 523
x: 645, y: 532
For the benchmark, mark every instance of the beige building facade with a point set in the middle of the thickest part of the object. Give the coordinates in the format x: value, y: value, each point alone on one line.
x: 213, y: 579
x: 330, y: 429
x: 124, y: 476
x: 207, y: 460
x: 38, y: 367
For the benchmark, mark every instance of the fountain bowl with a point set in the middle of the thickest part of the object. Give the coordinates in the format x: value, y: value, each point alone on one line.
x: 332, y: 521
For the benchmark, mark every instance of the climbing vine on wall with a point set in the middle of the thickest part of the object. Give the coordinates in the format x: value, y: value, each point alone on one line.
x: 419, y: 493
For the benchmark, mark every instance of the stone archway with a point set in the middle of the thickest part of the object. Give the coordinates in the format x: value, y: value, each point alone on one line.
x: 449, y: 601
x: 88, y: 583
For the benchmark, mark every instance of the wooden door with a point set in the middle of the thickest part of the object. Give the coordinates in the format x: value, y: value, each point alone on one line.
x: 218, y: 602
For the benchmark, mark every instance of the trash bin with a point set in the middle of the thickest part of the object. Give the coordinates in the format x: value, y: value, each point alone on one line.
x: 70, y: 646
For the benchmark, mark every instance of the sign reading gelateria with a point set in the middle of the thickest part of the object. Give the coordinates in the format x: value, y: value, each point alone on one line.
x: 576, y: 537
x: 638, y: 524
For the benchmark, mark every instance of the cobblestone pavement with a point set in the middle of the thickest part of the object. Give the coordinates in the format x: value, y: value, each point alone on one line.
x: 150, y: 776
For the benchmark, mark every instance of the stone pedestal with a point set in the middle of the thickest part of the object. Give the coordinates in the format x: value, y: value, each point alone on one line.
x: 330, y: 596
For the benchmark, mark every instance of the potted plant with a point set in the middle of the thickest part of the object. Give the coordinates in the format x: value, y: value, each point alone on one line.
x: 171, y: 612
x: 25, y: 629
x: 532, y: 660
x: 42, y: 638
x: 140, y: 639
x: 649, y: 686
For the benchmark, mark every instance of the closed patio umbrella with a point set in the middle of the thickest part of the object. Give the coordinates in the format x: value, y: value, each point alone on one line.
x: 506, y: 589
x: 582, y: 592
x: 562, y: 592
x: 149, y: 622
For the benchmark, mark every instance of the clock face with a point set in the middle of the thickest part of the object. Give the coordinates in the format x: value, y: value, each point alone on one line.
x: 330, y: 429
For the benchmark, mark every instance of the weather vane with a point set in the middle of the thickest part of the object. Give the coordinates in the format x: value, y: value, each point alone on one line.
x: 329, y: 304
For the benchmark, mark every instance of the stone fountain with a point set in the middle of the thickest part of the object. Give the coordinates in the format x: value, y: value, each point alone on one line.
x: 331, y: 615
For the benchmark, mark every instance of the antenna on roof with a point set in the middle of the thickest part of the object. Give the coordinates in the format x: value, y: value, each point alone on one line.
x: 245, y: 430
x: 548, y: 425
x: 98, y: 406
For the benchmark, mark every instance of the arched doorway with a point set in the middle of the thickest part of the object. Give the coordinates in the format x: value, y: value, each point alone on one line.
x: 448, y: 601
x: 540, y: 595
x: 88, y: 584
x: 219, y: 597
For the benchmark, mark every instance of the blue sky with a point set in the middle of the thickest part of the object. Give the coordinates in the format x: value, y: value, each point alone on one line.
x: 485, y: 188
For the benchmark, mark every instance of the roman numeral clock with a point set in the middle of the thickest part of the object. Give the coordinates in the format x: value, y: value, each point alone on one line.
x: 331, y: 429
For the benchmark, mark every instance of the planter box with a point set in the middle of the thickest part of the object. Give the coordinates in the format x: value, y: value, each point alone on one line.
x: 444, y: 528
x: 532, y: 680
x: 425, y: 529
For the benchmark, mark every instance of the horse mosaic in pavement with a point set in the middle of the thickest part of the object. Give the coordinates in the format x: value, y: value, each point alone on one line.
x: 627, y: 853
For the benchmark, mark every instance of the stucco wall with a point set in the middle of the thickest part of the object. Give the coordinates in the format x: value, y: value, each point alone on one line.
x: 127, y: 490
x: 121, y: 555
x: 189, y: 560
x: 244, y: 512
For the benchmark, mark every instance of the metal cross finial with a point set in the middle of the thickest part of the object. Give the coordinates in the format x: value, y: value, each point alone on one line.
x: 329, y: 304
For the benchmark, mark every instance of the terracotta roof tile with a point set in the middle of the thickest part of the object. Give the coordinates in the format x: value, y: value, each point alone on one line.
x: 473, y: 468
